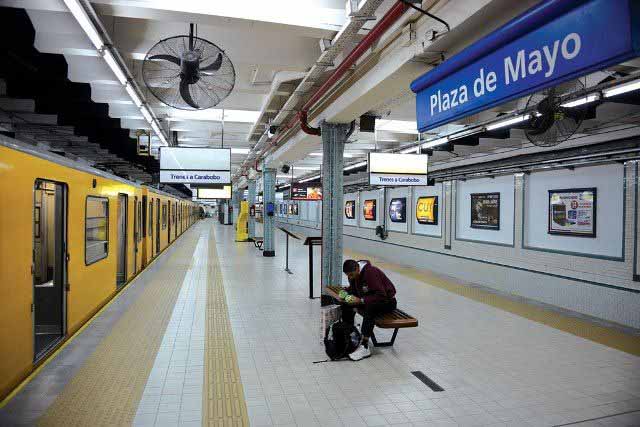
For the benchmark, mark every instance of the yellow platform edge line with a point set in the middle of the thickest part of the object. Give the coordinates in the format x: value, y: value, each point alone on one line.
x: 223, y: 397
x: 607, y: 336
x: 73, y: 336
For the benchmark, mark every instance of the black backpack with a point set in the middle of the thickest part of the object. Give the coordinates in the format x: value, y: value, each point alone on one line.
x: 341, y: 339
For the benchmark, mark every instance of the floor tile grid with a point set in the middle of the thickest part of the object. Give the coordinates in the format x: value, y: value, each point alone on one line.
x: 173, y: 393
x: 464, y: 364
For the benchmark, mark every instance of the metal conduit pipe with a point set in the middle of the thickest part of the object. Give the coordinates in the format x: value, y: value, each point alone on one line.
x: 396, y: 11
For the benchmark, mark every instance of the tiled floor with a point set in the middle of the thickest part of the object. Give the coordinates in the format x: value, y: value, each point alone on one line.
x: 173, y: 393
x: 497, y: 368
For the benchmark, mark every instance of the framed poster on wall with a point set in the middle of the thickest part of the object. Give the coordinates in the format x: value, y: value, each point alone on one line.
x: 350, y: 209
x: 485, y: 211
x: 427, y: 210
x: 572, y: 212
x: 295, y: 209
x: 369, y: 210
x: 398, y: 210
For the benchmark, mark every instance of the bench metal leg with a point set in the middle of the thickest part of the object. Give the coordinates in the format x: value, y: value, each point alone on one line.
x: 384, y: 344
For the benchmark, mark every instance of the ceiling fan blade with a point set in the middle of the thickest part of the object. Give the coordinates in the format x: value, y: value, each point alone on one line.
x: 169, y: 58
x: 215, y: 65
x: 186, y: 94
x: 190, y: 36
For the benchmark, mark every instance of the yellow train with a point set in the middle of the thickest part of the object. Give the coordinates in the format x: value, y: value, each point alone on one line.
x: 71, y: 237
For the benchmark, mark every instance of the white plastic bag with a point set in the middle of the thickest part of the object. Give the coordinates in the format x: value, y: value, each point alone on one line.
x: 328, y: 315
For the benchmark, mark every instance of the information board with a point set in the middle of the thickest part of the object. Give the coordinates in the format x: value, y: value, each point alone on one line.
x: 195, y: 165
x: 395, y: 169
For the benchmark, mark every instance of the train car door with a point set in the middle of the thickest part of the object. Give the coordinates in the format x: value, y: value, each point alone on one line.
x: 150, y: 229
x: 121, y: 274
x: 49, y: 267
x: 136, y: 226
x: 157, y: 226
x: 168, y: 222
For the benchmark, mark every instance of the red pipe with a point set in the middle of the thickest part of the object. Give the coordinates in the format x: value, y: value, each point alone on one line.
x: 396, y: 11
x: 392, y: 15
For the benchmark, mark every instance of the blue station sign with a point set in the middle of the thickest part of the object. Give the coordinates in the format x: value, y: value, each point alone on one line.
x: 553, y: 42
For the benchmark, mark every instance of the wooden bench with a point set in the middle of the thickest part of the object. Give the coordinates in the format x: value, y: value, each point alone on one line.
x: 397, y: 319
x: 258, y: 242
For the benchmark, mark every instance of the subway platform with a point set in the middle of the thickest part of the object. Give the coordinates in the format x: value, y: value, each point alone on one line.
x: 215, y: 334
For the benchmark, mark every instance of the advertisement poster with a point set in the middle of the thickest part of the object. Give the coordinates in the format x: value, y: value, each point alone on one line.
x: 398, y: 210
x: 427, y: 210
x: 290, y: 209
x: 300, y: 192
x: 485, y: 211
x: 350, y: 209
x: 572, y: 212
x: 295, y: 209
x: 369, y: 209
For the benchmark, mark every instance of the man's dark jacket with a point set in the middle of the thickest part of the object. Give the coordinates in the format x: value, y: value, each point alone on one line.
x: 373, y: 286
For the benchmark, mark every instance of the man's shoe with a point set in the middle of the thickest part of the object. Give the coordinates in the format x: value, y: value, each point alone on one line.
x: 360, y: 353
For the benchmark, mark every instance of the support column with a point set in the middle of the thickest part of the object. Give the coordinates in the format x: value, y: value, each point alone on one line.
x: 251, y: 199
x: 269, y: 196
x: 334, y: 137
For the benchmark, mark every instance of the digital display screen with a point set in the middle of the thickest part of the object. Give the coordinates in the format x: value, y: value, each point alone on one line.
x: 427, y: 210
x: 299, y: 192
x: 350, y: 209
x: 214, y: 193
x: 398, y: 210
x: 369, y: 210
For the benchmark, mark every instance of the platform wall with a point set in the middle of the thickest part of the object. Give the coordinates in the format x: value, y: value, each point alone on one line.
x: 589, y: 275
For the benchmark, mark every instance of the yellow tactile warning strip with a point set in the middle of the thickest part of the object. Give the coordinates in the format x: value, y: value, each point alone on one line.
x: 107, y: 388
x: 609, y: 337
x: 223, y: 396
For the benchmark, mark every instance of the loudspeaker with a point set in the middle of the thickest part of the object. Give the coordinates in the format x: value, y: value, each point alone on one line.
x: 285, y: 168
x: 367, y: 123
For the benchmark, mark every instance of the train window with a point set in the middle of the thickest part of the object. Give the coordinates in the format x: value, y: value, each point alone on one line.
x: 164, y: 216
x: 150, y: 216
x: 144, y: 216
x: 96, y: 234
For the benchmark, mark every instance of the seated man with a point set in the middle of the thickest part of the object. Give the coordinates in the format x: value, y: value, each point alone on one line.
x: 374, y: 295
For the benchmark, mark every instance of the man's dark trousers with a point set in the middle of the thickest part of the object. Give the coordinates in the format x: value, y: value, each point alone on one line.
x: 369, y: 313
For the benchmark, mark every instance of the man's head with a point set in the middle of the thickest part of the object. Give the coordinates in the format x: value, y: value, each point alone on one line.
x: 351, y: 268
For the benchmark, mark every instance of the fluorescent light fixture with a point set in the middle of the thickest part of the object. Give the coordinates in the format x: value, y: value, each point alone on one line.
x: 83, y: 19
x: 239, y: 151
x: 355, y: 166
x: 147, y: 115
x: 131, y: 90
x: 311, y: 178
x: 409, y: 150
x: 239, y: 116
x: 283, y: 176
x: 306, y: 168
x: 465, y: 133
x: 581, y: 101
x: 345, y: 155
x: 509, y: 122
x: 435, y: 142
x: 623, y: 88
x: 399, y: 126
x: 115, y: 67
